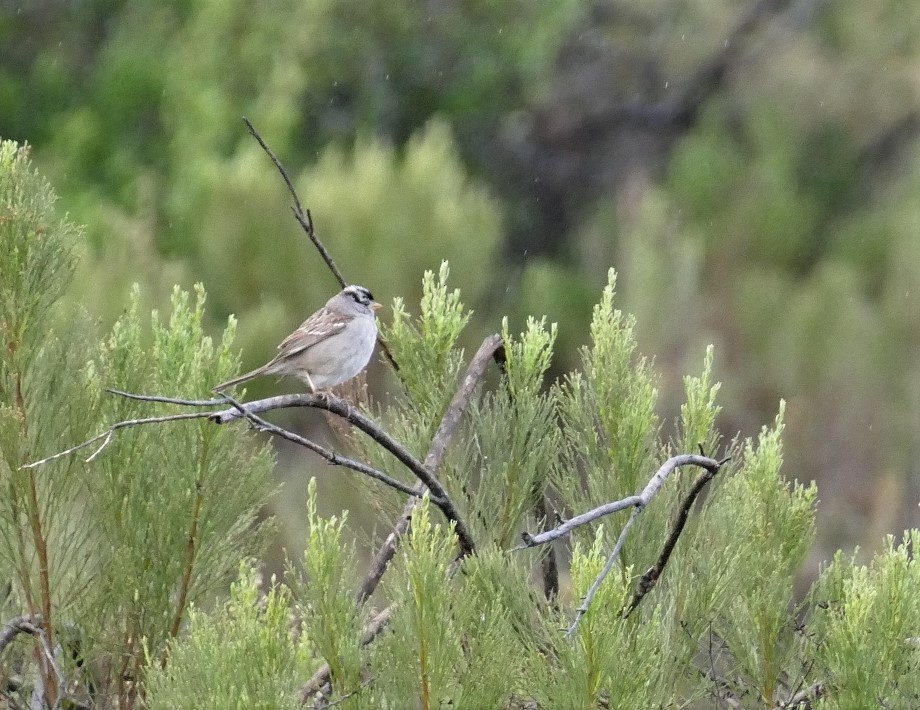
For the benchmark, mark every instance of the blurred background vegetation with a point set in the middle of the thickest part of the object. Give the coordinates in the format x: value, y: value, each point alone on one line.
x: 749, y: 167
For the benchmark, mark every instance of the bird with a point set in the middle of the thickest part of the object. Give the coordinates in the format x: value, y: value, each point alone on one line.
x: 329, y: 348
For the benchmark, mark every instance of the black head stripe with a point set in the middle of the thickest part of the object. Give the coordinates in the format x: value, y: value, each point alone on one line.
x: 360, y: 294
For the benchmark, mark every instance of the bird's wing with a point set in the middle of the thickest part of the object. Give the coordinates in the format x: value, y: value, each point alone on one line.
x: 316, y: 328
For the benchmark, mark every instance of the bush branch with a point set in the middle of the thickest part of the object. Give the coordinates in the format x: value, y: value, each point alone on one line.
x: 433, y: 460
x: 332, y: 457
x: 654, y: 485
x: 25, y: 624
x: 648, y: 580
x: 637, y: 503
x: 303, y: 218
x: 109, y: 433
x: 343, y: 409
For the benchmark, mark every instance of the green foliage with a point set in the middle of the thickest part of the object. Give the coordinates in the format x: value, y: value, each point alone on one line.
x: 45, y: 546
x: 120, y: 552
x: 250, y: 649
x: 331, y: 620
x: 110, y: 547
x: 777, y: 519
x: 38, y: 252
x: 608, y: 657
x: 608, y: 418
x: 177, y: 506
x: 424, y: 644
x: 864, y: 622
x: 433, y: 363
x: 697, y: 425
x: 516, y: 440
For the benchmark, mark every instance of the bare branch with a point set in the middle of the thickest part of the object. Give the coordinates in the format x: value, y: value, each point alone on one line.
x: 109, y: 433
x: 572, y: 523
x: 648, y: 580
x: 331, y: 456
x: 341, y: 408
x: 433, y: 460
x: 642, y: 500
x: 25, y: 624
x: 215, y: 402
x: 304, y: 218
x: 34, y: 625
x: 611, y: 561
x: 638, y: 504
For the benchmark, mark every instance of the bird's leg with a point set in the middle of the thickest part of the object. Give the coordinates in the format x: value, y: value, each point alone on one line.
x: 322, y: 394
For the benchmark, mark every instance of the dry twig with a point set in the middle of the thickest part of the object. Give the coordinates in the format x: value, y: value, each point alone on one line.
x: 638, y: 504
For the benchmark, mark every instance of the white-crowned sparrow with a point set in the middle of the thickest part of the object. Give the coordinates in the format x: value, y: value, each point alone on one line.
x: 330, y: 347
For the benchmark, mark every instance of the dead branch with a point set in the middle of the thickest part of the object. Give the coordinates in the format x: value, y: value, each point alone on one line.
x: 638, y: 504
x: 654, y: 485
x: 433, y: 460
x: 109, y: 433
x: 25, y: 624
x: 648, y: 580
x: 331, y: 456
x: 578, y: 521
x: 343, y: 409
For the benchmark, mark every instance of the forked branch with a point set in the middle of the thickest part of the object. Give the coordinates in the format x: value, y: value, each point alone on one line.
x: 638, y: 504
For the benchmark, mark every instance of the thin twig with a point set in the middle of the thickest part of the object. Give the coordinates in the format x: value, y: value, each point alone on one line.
x: 215, y: 402
x: 331, y: 456
x: 644, y: 498
x: 571, y: 524
x: 436, y: 452
x: 611, y: 561
x: 108, y: 434
x: 341, y: 408
x: 305, y: 220
x: 648, y: 580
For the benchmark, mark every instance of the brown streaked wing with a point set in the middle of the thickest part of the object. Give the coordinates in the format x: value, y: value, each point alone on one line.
x: 317, y: 327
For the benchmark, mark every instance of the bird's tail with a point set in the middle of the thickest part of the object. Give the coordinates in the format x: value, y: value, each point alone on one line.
x: 240, y: 380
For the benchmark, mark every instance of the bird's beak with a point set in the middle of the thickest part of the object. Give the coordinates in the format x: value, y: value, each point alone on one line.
x: 376, y: 306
